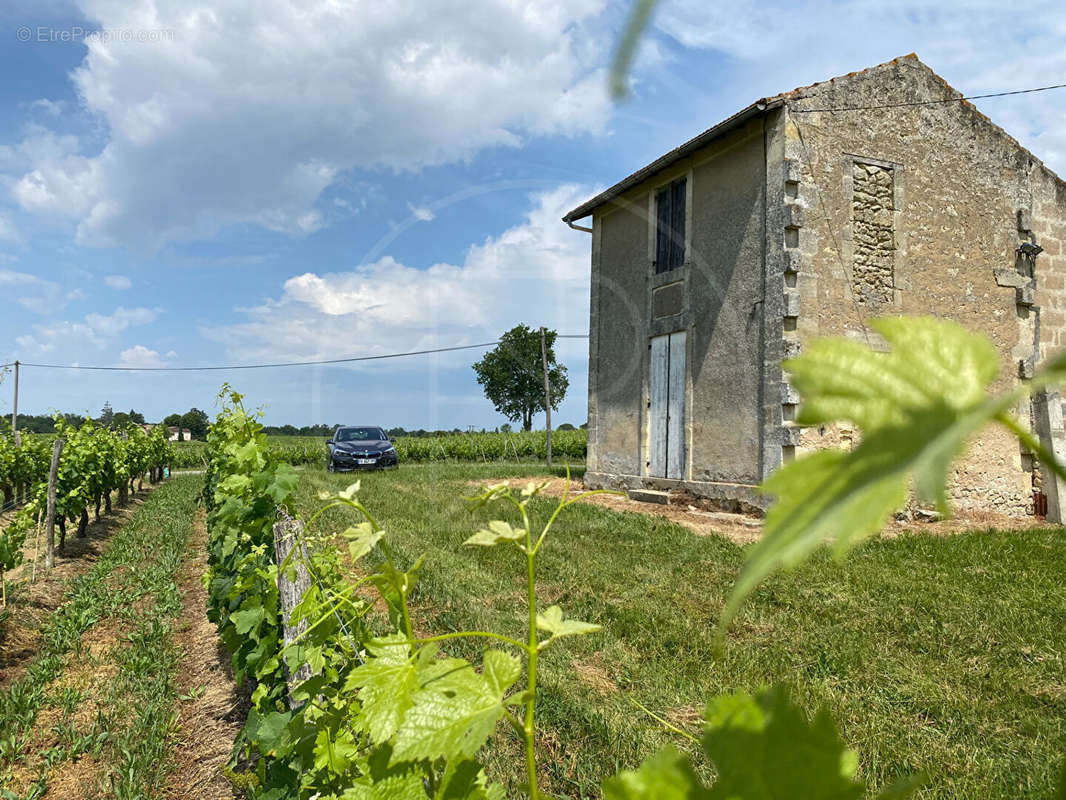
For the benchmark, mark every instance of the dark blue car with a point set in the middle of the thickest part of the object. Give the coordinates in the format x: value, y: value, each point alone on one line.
x: 360, y: 447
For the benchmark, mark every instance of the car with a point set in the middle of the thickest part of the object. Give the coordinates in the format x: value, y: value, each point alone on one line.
x: 355, y: 447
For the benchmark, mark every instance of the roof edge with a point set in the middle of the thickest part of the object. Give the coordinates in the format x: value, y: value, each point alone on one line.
x: 757, y: 108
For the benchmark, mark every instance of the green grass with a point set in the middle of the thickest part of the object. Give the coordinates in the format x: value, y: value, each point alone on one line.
x: 935, y: 654
x: 106, y: 666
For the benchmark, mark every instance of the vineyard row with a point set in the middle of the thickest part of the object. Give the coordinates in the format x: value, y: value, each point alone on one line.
x: 530, y: 445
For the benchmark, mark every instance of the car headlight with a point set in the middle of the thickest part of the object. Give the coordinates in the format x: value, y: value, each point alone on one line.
x: 389, y: 449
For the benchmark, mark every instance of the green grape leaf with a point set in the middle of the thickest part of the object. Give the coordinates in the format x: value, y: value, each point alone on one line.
x: 246, y: 619
x: 384, y: 780
x: 498, y: 531
x: 387, y: 683
x: 284, y: 484
x: 501, y: 670
x: 465, y: 780
x: 270, y: 730
x: 765, y: 748
x: 552, y: 621
x: 456, y: 710
x: 917, y: 405
x: 667, y: 775
x: 931, y: 360
x: 361, y: 539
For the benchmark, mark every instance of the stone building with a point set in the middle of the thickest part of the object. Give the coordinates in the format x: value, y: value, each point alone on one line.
x: 804, y: 215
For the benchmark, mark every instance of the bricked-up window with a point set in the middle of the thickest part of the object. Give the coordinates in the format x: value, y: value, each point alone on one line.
x: 670, y: 227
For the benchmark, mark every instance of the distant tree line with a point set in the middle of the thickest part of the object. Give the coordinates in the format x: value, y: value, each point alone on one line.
x: 326, y: 431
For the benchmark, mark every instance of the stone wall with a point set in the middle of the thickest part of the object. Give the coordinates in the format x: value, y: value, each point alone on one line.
x: 873, y: 235
x: 916, y: 210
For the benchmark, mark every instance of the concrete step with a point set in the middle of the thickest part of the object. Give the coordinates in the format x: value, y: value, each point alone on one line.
x: 650, y: 496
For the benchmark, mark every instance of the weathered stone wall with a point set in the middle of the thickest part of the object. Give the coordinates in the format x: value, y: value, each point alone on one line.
x: 715, y: 297
x: 915, y: 210
x: 873, y: 234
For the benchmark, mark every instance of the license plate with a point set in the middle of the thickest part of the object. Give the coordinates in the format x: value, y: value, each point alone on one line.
x: 366, y: 461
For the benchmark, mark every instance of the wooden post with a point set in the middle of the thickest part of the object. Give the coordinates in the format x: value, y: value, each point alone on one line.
x: 50, y: 518
x: 287, y: 537
x: 15, y: 410
x: 547, y: 393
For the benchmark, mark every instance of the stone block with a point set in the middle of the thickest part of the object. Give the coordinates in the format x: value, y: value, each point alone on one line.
x: 1025, y: 220
x: 793, y: 261
x: 793, y: 215
x: 789, y: 395
x: 1024, y: 295
x: 791, y: 436
x: 1010, y: 277
x: 792, y: 303
x: 793, y: 170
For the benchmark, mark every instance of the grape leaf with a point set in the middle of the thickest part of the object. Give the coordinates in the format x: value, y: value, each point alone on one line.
x: 456, y: 710
x: 552, y: 621
x: 764, y: 748
x: 385, y: 780
x: 667, y: 775
x: 465, y: 780
x: 361, y: 539
x: 387, y: 683
x: 498, y: 531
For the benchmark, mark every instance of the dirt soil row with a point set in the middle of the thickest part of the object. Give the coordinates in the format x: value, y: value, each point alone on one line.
x: 213, y: 708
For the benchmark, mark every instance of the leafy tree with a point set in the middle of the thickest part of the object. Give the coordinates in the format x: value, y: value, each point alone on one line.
x: 566, y: 426
x: 513, y: 375
x: 196, y: 421
x: 107, y: 415
x: 172, y: 420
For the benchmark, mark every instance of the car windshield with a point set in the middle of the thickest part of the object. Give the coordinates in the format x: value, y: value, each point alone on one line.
x: 359, y: 434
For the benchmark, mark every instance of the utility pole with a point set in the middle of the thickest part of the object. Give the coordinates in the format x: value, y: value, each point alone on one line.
x: 547, y: 393
x: 15, y: 410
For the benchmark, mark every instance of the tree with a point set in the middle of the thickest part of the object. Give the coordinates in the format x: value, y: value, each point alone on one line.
x: 196, y: 421
x: 513, y: 375
x: 136, y: 416
x: 172, y: 420
x: 566, y: 426
x: 107, y: 415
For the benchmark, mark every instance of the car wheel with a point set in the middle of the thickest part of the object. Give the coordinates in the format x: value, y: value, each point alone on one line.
x: 330, y: 467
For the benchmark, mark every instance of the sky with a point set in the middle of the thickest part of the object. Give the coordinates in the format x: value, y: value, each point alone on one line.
x: 185, y: 183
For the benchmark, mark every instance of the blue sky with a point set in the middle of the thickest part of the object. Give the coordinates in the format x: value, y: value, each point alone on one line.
x: 201, y: 183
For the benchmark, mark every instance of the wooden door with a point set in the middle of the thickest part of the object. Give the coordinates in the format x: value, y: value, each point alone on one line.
x: 666, y: 406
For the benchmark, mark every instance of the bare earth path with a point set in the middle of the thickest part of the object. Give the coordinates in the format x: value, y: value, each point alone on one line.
x: 212, y: 708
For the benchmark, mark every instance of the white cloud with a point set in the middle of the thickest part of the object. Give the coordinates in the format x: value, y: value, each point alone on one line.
x: 253, y: 109
x: 536, y: 272
x: 94, y: 331
x: 775, y: 46
x: 422, y: 213
x: 118, y: 282
x: 141, y: 356
x: 36, y: 294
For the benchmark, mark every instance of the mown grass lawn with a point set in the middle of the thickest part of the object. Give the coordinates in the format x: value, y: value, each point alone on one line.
x: 936, y: 654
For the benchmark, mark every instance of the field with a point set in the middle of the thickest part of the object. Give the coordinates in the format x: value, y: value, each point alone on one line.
x: 460, y: 447
x: 941, y: 654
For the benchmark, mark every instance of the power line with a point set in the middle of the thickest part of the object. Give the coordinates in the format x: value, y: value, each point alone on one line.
x: 926, y: 102
x: 348, y: 360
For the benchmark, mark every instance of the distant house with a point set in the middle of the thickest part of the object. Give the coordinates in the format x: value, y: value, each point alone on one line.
x: 800, y: 216
x: 175, y: 434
